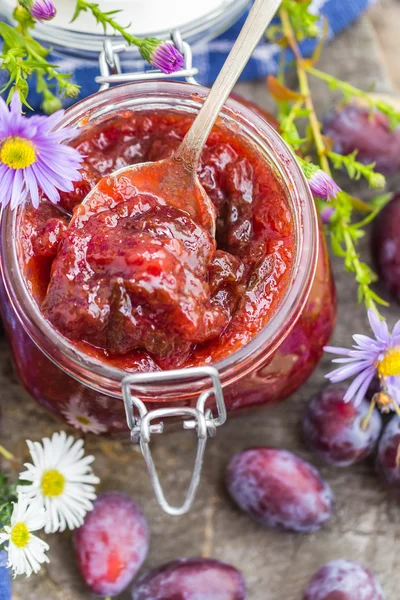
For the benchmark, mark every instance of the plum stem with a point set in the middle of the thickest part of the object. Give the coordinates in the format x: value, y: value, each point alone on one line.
x: 365, y: 421
x: 6, y: 454
x: 396, y: 408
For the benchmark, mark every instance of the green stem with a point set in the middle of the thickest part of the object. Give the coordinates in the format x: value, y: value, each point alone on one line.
x: 305, y: 90
x: 345, y: 87
x: 106, y: 19
x: 365, y: 421
x: 396, y: 408
x: 7, y: 455
x: 350, y: 91
x: 293, y: 113
x: 354, y: 265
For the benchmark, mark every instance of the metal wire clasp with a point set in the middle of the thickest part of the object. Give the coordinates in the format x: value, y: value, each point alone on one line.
x: 199, y: 419
x: 110, y: 65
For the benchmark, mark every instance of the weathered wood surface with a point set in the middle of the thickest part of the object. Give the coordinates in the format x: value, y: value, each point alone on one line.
x: 366, y: 524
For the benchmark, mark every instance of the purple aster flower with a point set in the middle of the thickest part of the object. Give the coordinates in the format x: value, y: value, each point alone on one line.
x: 32, y: 156
x: 321, y: 184
x: 162, y: 55
x: 327, y: 213
x: 41, y: 10
x: 370, y: 357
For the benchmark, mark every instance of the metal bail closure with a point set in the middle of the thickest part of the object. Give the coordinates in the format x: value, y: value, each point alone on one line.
x: 110, y: 66
x: 198, y: 418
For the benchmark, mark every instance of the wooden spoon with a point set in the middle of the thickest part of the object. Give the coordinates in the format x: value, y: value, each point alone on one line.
x: 174, y: 180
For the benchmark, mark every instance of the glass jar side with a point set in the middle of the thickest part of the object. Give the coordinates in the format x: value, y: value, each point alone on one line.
x: 106, y: 381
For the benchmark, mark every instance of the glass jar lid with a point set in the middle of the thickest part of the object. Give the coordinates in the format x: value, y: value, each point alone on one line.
x: 197, y: 21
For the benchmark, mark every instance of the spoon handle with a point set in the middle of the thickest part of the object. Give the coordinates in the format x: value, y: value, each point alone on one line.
x: 257, y: 21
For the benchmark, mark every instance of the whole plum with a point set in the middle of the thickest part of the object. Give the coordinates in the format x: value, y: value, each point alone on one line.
x: 191, y: 579
x: 279, y: 489
x: 386, y: 246
x: 112, y: 544
x: 333, y: 428
x: 343, y: 580
x: 353, y: 127
x: 388, y: 458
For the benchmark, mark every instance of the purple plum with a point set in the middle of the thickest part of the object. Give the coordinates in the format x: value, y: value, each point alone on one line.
x: 279, y: 489
x: 191, y: 579
x: 343, y: 580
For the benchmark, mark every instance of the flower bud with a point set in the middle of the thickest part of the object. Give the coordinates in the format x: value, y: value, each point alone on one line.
x: 162, y: 55
x: 41, y: 10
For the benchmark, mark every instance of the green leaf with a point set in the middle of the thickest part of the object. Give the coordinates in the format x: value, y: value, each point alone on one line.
x: 356, y: 169
x: 34, y: 47
x: 10, y: 36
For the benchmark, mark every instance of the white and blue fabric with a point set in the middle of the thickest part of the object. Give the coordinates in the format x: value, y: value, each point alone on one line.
x: 210, y: 56
x: 5, y: 577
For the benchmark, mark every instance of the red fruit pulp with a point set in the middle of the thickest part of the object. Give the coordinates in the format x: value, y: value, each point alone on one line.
x: 112, y: 544
x: 142, y: 285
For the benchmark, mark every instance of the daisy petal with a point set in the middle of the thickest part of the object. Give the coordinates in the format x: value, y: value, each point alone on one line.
x: 61, y: 481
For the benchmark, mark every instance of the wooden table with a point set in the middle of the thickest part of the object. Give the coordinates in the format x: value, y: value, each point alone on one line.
x: 366, y: 524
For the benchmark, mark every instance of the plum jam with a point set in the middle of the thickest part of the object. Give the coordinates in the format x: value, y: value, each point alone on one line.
x: 92, y: 292
x: 141, y: 282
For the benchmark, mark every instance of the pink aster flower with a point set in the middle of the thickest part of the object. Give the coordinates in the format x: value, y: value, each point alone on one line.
x: 41, y: 10
x: 326, y: 214
x: 321, y: 184
x: 370, y: 357
x: 162, y: 55
x: 32, y: 156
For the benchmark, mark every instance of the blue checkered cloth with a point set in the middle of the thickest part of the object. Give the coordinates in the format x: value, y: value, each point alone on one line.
x: 5, y: 577
x: 209, y: 57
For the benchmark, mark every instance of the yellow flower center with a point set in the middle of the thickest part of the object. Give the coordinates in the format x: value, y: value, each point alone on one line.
x: 390, y: 364
x: 53, y: 483
x: 20, y: 535
x: 17, y: 153
x: 83, y: 420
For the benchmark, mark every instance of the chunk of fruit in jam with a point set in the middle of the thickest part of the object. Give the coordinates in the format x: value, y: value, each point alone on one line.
x: 333, y: 428
x: 138, y: 275
x: 279, y: 489
x: 191, y: 579
x: 343, y: 580
x: 112, y: 544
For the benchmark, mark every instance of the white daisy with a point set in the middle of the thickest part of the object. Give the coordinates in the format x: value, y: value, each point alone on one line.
x: 61, y: 479
x: 79, y: 417
x: 26, y: 552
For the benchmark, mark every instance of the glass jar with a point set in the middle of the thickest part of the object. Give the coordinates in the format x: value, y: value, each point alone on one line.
x: 197, y: 22
x: 274, y: 364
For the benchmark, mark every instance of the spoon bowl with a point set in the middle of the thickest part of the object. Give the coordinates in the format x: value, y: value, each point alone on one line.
x: 171, y: 184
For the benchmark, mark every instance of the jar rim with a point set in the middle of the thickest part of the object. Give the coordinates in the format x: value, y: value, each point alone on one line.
x: 106, y: 379
x: 200, y: 29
